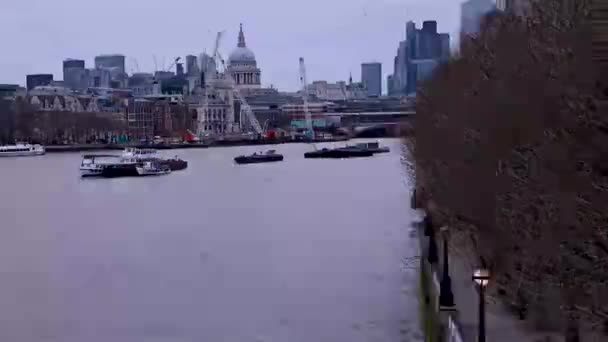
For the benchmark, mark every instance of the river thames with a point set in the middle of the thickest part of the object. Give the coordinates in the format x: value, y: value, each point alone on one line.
x: 300, y: 251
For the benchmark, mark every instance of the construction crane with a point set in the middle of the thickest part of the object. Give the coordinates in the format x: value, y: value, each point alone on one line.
x: 228, y: 76
x: 308, y: 117
x: 175, y: 61
x: 253, y: 121
x: 134, y: 65
x: 208, y: 87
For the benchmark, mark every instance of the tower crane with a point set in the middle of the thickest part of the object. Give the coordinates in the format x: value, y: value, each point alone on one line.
x: 253, y: 121
x: 208, y: 87
x: 175, y: 61
x: 308, y: 117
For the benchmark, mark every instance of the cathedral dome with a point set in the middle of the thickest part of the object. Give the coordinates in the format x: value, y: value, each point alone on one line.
x: 242, y: 54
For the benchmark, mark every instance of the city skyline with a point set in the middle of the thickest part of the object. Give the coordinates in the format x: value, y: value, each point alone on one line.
x: 366, y: 31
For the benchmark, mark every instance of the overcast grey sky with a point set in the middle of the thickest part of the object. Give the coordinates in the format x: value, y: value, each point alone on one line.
x: 334, y: 36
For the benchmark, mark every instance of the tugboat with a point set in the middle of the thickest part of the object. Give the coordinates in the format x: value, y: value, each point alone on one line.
x: 268, y: 157
x: 21, y: 150
x: 336, y: 153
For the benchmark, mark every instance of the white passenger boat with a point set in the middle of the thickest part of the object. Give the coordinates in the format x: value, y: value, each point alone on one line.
x: 152, y: 168
x: 93, y: 164
x: 132, y: 152
x: 21, y: 150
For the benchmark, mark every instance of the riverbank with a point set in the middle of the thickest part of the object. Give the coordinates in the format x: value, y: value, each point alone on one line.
x: 217, y: 143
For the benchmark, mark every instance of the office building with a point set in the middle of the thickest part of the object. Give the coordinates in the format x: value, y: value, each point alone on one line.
x: 389, y: 85
x: 74, y: 74
x: 519, y: 7
x: 110, y: 62
x: 38, y: 80
x: 444, y: 41
x: 98, y: 78
x: 11, y: 90
x: 179, y: 69
x: 115, y: 64
x: 192, y: 65
x: 371, y: 77
x: 419, y: 47
x: 471, y: 13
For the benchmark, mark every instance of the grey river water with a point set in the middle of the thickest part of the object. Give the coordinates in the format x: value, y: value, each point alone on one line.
x: 298, y: 251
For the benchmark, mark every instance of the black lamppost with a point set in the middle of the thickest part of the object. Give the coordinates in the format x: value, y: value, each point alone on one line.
x: 482, y: 278
x: 428, y: 231
x: 446, y: 296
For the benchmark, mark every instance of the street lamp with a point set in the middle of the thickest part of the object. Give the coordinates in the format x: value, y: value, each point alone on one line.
x: 482, y: 278
x: 429, y: 232
x: 446, y: 296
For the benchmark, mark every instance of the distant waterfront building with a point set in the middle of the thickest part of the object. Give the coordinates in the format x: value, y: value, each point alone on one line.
x: 390, y: 85
x: 110, y: 62
x: 36, y: 80
x: 420, y: 44
x: 192, y: 65
x: 242, y: 65
x: 11, y: 90
x: 74, y: 74
x: 115, y: 64
x: 423, y: 69
x: 471, y: 12
x: 444, y: 40
x: 371, y: 77
x: 98, y: 78
x: 519, y: 7
x: 163, y: 75
x: 179, y: 69
x: 141, y: 84
x: 339, y: 91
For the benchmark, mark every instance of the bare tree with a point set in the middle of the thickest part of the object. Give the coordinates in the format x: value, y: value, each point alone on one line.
x: 509, y: 145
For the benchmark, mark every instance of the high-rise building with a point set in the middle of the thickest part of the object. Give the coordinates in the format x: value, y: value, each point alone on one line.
x: 38, y: 80
x: 519, y: 7
x: 420, y: 45
x: 471, y: 13
x: 74, y: 74
x: 444, y: 39
x: 429, y: 44
x: 110, y: 62
x: 115, y: 64
x: 99, y: 78
x: 179, y: 69
x: 371, y: 77
x: 390, y: 85
x: 192, y: 65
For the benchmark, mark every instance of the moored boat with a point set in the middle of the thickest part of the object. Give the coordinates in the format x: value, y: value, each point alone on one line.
x: 92, y: 165
x: 374, y: 147
x: 21, y: 150
x: 120, y: 169
x: 176, y: 164
x: 336, y: 153
x: 267, y: 157
x: 132, y: 152
x: 152, y: 168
